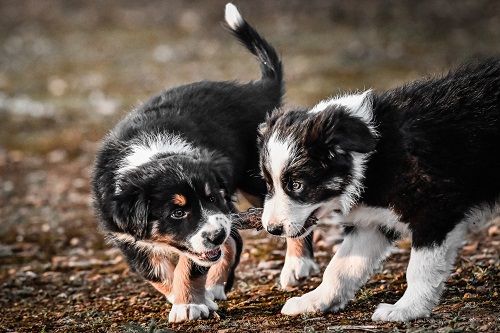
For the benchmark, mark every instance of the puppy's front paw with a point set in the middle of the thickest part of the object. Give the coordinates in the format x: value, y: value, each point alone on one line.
x: 209, y: 301
x: 217, y: 291
x: 184, y: 312
x: 295, y: 270
x: 395, y: 312
x: 318, y: 300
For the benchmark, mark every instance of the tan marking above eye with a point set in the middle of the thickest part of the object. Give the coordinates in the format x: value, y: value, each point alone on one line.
x: 179, y: 200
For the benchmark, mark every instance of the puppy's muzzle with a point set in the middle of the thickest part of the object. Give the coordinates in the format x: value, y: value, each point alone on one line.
x: 275, y: 229
x: 214, y: 238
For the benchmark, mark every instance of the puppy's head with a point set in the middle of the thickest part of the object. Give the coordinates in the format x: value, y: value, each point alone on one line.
x: 177, y: 203
x: 313, y: 161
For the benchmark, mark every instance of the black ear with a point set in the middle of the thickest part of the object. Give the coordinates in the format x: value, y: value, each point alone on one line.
x: 334, y: 129
x: 352, y: 134
x: 130, y: 210
x: 222, y: 168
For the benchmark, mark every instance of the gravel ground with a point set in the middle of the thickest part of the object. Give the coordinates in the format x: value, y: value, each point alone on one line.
x: 70, y: 69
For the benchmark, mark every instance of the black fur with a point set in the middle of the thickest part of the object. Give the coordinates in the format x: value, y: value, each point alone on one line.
x: 217, y: 119
x: 436, y: 155
x: 239, y: 248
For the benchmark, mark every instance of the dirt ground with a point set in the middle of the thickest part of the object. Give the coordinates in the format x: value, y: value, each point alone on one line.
x: 70, y: 69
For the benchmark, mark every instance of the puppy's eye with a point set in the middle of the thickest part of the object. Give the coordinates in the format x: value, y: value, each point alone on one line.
x: 212, y: 198
x: 295, y: 185
x: 178, y: 214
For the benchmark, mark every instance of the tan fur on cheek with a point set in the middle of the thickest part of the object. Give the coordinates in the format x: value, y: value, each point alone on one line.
x: 217, y: 275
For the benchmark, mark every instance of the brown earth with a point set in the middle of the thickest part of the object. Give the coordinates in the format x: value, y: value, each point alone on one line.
x: 70, y: 69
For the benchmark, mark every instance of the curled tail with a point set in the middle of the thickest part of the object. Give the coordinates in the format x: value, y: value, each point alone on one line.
x: 270, y: 64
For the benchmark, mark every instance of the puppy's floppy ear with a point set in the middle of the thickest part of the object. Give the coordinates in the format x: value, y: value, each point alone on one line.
x: 222, y: 168
x: 336, y: 129
x: 130, y: 210
x: 352, y: 134
x: 223, y: 172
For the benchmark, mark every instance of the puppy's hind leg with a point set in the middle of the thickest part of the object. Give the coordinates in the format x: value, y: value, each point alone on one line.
x: 427, y: 272
x: 221, y: 276
x: 299, y: 262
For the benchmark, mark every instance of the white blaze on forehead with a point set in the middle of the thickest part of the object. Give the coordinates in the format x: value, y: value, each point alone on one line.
x: 280, y: 208
x: 279, y: 153
x: 147, y: 147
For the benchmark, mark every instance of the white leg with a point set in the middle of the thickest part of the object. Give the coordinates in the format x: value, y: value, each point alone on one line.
x: 190, y: 299
x: 360, y: 253
x: 427, y: 272
x: 217, y: 292
x: 299, y: 262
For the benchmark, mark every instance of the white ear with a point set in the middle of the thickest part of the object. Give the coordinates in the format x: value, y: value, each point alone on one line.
x: 359, y: 105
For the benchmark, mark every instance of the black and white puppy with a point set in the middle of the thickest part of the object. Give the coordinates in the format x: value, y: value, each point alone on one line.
x: 420, y: 160
x: 164, y: 178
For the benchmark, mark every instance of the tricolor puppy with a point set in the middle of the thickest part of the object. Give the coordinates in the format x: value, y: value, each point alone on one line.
x: 165, y: 174
x: 420, y: 160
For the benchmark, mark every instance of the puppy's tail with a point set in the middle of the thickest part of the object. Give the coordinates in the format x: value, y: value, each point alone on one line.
x: 270, y: 63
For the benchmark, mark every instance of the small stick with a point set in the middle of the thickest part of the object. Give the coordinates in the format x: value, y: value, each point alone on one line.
x: 251, y: 219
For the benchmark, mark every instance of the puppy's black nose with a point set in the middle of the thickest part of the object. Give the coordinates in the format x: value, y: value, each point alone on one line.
x: 218, y: 237
x: 275, y: 229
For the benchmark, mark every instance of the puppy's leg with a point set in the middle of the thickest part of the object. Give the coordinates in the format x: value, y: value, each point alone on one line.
x: 361, y: 252
x: 427, y: 272
x: 161, y: 275
x: 299, y: 262
x: 221, y: 275
x: 157, y: 269
x: 190, y: 299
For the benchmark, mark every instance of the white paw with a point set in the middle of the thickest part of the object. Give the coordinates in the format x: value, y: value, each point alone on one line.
x: 318, y: 300
x: 209, y: 301
x: 217, y: 292
x: 184, y: 312
x: 395, y: 312
x: 295, y: 270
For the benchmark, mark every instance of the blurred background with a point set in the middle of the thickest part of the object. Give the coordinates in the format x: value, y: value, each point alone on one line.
x: 70, y: 69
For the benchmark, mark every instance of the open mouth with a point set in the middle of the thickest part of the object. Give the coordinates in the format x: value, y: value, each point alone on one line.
x: 311, y: 221
x: 212, y: 255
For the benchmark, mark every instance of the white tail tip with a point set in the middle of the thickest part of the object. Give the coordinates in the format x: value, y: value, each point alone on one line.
x: 233, y: 16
